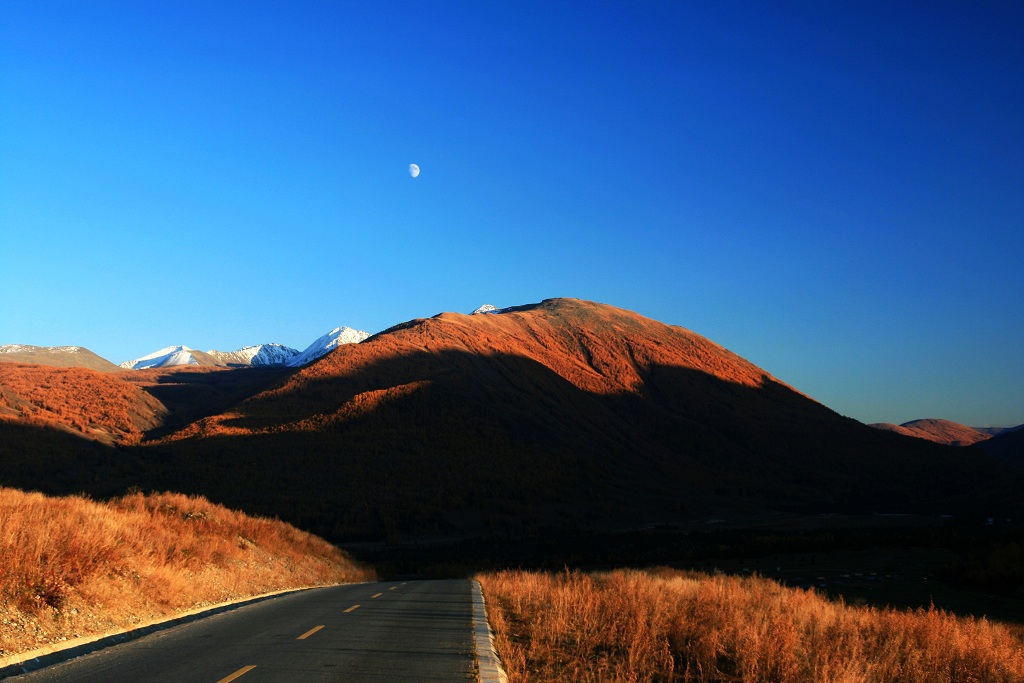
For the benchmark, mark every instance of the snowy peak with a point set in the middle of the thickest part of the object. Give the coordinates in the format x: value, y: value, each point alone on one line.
x: 488, y: 308
x: 328, y: 342
x: 166, y: 357
x: 259, y: 355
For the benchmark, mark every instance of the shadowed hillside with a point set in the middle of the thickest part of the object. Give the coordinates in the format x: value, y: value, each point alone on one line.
x: 1007, y: 447
x: 192, y: 392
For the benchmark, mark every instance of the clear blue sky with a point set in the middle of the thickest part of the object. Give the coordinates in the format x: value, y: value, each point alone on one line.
x: 834, y: 191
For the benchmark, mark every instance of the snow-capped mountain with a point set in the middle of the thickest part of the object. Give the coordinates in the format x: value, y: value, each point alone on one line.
x: 166, y: 357
x: 259, y: 355
x: 328, y: 342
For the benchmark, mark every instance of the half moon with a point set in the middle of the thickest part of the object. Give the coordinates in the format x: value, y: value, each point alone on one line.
x: 414, y: 170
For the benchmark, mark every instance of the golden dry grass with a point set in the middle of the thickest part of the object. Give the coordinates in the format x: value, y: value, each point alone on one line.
x: 98, y: 405
x: 73, y: 567
x: 665, y: 625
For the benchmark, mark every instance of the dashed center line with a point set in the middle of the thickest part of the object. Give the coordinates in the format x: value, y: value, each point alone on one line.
x: 310, y: 632
x: 352, y: 608
x: 393, y: 588
x: 241, y: 672
x: 377, y: 595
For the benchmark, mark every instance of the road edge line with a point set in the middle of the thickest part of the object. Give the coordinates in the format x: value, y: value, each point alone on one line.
x: 488, y: 662
x: 33, y: 660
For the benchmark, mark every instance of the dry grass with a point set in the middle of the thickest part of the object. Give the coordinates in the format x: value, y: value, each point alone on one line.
x: 665, y: 625
x: 73, y: 567
x: 98, y: 405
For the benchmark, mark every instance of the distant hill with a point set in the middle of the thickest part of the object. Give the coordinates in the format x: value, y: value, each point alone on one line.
x: 56, y: 356
x: 995, y: 431
x: 939, y: 431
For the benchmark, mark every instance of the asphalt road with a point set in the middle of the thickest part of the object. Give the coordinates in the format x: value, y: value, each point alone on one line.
x: 414, y: 631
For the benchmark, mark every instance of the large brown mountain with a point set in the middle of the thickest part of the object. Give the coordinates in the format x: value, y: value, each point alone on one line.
x: 564, y: 415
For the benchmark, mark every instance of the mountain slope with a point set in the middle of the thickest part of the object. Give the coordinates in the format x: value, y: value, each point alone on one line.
x: 939, y: 431
x: 564, y: 414
x: 56, y: 356
x: 88, y: 403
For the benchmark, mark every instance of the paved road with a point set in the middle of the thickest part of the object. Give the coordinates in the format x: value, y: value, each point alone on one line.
x: 414, y: 631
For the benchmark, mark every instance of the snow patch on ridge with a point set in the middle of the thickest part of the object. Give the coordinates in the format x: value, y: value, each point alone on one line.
x: 28, y: 348
x: 487, y: 308
x: 17, y: 348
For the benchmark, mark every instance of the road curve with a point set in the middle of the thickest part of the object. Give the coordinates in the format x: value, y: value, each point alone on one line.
x: 401, y: 631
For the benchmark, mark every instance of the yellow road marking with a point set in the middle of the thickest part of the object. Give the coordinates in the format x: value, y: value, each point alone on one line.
x: 310, y: 632
x: 241, y: 672
x: 352, y: 608
x: 393, y: 588
x: 377, y: 595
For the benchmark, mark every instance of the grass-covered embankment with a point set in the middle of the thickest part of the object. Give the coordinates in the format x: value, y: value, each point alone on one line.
x: 666, y: 625
x: 72, y: 567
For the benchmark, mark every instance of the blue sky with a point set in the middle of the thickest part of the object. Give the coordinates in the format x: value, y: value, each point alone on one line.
x: 833, y: 191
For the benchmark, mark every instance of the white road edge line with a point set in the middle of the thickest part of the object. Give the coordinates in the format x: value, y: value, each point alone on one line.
x: 487, y: 659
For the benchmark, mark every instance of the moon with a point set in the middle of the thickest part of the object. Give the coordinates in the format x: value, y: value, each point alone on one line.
x: 414, y: 170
